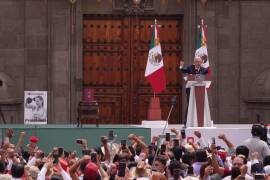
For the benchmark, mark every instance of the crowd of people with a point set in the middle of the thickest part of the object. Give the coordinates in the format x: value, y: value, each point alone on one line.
x: 165, y: 158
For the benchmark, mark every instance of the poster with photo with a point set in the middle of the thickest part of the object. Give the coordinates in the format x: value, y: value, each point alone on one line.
x: 35, y: 107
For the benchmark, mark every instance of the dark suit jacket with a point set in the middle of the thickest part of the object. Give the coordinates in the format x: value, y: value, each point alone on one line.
x: 192, y: 70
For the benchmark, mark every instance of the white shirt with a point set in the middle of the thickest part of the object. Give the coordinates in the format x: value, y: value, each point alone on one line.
x: 255, y: 144
x: 247, y: 177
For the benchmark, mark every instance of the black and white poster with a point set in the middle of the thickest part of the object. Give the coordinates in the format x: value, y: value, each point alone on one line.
x: 35, y: 107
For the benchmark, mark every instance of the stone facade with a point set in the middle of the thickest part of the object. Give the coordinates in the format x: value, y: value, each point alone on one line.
x: 41, y: 49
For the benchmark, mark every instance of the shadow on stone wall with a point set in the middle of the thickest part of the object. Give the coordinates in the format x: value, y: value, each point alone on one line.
x: 10, y: 104
x: 258, y: 100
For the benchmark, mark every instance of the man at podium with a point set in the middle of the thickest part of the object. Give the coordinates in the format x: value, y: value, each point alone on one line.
x: 194, y: 69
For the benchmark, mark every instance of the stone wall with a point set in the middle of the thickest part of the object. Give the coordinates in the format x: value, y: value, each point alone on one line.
x: 34, y: 51
x: 254, y: 55
x: 12, y: 58
x: 240, y: 52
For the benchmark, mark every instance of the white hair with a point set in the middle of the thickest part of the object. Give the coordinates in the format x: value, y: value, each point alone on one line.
x: 197, y: 58
x: 5, y: 177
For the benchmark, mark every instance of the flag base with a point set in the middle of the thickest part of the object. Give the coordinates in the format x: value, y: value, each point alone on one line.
x: 154, y: 111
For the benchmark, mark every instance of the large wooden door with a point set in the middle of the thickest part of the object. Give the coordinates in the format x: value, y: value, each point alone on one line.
x: 115, y: 51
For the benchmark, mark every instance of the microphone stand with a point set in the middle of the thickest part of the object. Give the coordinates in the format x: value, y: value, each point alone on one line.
x: 173, y: 101
x: 258, y: 117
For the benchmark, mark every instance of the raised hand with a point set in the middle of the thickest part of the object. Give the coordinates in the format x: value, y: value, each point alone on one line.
x: 104, y: 139
x: 173, y: 130
x: 198, y: 134
x: 22, y: 134
x: 131, y: 136
x: 9, y: 133
x: 222, y: 136
x: 182, y: 63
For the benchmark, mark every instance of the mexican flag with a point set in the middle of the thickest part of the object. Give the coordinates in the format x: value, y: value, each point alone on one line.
x: 154, y: 71
x: 201, y: 50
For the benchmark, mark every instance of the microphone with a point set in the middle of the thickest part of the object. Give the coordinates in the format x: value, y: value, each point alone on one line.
x: 173, y: 100
x: 173, y: 103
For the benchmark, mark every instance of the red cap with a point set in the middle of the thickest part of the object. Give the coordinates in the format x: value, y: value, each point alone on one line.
x: 63, y: 164
x: 91, y: 171
x: 222, y: 154
x: 33, y: 139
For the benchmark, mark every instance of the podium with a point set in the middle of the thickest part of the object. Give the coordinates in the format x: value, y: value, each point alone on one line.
x: 198, y: 114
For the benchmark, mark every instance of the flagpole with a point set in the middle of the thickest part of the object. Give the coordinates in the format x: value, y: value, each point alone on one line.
x: 155, y: 24
x: 155, y: 73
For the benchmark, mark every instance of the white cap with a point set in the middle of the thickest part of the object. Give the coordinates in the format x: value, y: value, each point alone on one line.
x: 267, y: 169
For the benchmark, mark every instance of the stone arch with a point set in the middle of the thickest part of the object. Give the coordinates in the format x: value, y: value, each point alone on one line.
x: 258, y: 100
x: 260, y: 87
x: 10, y: 104
x: 7, y: 87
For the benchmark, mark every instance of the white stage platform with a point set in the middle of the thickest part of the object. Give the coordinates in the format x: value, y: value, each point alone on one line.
x: 236, y: 133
